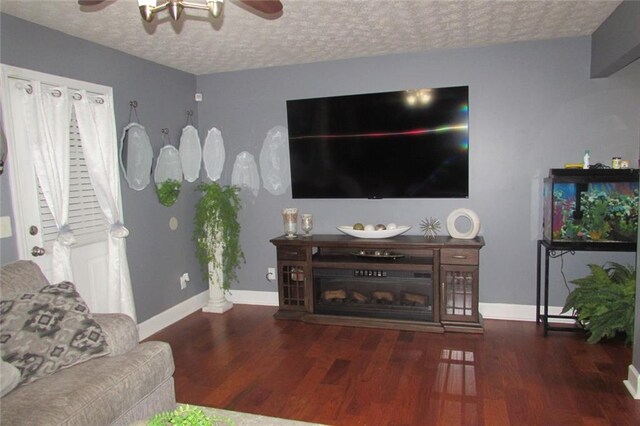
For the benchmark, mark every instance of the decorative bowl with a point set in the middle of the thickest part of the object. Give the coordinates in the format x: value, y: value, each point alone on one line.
x: 386, y: 233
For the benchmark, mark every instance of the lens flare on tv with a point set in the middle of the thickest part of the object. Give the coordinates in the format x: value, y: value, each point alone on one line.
x: 415, y: 132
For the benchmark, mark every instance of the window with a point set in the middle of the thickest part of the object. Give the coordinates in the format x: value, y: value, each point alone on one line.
x: 86, y: 219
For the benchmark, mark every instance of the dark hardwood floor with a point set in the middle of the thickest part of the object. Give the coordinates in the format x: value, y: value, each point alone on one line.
x: 245, y: 360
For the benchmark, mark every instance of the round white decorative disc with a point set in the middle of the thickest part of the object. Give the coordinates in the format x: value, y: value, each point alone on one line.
x: 473, y: 219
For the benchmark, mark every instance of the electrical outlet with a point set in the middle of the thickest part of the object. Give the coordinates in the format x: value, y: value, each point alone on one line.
x: 183, y: 280
x: 271, y: 274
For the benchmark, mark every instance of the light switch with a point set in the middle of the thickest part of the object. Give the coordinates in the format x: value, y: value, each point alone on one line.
x: 5, y: 227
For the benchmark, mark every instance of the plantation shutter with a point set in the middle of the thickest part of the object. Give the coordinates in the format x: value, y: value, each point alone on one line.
x: 86, y: 219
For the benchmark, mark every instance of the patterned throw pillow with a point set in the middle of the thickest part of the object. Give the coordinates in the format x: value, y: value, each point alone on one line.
x: 45, y: 331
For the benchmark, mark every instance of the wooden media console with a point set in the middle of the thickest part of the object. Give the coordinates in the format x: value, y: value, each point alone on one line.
x: 406, y: 282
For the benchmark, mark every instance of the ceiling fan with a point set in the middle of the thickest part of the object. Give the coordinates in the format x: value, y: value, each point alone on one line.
x: 148, y: 8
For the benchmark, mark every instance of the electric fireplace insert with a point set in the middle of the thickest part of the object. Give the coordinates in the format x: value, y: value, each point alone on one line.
x: 374, y: 293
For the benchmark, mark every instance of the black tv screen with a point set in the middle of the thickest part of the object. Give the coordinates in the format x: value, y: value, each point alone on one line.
x: 405, y: 144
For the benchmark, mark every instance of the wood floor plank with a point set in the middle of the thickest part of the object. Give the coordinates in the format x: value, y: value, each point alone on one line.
x: 246, y: 360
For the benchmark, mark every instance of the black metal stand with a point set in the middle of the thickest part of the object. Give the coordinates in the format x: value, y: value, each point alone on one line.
x: 550, y: 251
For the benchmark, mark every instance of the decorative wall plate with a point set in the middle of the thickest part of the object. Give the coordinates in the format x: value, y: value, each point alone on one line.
x: 190, y: 153
x: 245, y: 173
x: 136, y: 156
x: 213, y: 154
x: 274, y: 161
x: 168, y: 175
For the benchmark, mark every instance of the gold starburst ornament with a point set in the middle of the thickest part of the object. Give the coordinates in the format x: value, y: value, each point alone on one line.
x: 430, y: 227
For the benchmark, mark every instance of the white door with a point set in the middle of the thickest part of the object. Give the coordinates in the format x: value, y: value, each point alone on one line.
x: 34, y: 224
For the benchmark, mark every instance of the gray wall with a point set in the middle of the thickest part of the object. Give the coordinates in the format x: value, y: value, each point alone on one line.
x: 533, y: 107
x: 157, y: 255
x: 617, y: 42
x: 613, y: 46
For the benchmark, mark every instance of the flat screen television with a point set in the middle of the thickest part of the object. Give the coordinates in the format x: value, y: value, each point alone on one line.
x: 405, y: 144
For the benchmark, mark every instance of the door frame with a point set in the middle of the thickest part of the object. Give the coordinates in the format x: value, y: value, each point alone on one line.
x: 22, y: 184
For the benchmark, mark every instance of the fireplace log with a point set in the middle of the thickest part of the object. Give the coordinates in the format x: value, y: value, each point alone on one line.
x: 417, y: 299
x: 331, y: 295
x: 383, y: 296
x: 359, y: 297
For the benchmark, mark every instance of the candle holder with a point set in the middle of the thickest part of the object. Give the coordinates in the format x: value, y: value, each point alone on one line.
x: 307, y: 224
x: 290, y: 221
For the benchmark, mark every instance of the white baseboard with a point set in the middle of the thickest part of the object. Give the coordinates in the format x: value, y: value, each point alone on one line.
x: 171, y: 315
x: 499, y: 311
x: 248, y: 297
x: 197, y: 302
x: 505, y: 311
x: 633, y: 382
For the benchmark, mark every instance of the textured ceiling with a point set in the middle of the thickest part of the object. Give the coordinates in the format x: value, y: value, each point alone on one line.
x: 313, y: 30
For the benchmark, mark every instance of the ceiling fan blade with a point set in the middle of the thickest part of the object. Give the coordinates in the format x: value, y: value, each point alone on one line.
x: 268, y: 7
x: 94, y: 5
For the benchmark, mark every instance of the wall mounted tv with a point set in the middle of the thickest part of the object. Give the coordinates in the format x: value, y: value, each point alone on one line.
x: 405, y: 144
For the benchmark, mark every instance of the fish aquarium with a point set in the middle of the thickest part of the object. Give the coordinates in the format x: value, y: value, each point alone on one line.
x: 592, y: 206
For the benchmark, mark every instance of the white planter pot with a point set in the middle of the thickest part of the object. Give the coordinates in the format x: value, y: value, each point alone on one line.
x: 218, y: 303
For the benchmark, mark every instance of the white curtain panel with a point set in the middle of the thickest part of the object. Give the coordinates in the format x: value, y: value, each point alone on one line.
x: 97, y: 126
x: 47, y: 112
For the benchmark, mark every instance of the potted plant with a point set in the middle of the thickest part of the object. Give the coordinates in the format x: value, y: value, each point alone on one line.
x: 168, y: 192
x: 188, y: 416
x: 605, y: 301
x: 217, y: 233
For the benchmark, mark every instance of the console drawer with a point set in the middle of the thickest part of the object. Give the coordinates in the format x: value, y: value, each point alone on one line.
x: 459, y: 257
x: 292, y: 253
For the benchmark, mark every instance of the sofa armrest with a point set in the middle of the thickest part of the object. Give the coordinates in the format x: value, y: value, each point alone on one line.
x: 120, y: 330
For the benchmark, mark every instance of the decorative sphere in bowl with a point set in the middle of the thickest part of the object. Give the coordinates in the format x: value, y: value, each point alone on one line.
x: 373, y: 234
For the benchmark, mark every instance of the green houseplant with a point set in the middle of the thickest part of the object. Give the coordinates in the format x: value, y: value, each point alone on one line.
x: 605, y: 301
x: 168, y: 192
x: 217, y: 228
x: 188, y: 416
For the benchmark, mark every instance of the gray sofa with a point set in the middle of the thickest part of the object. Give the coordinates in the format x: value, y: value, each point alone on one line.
x: 133, y: 382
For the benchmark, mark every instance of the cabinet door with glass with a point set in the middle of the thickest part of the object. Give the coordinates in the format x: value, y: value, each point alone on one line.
x: 293, y: 281
x: 459, y: 293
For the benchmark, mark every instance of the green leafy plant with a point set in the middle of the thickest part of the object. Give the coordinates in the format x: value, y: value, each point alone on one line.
x: 217, y: 228
x: 606, y: 216
x: 188, y: 416
x: 605, y: 301
x: 168, y: 192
